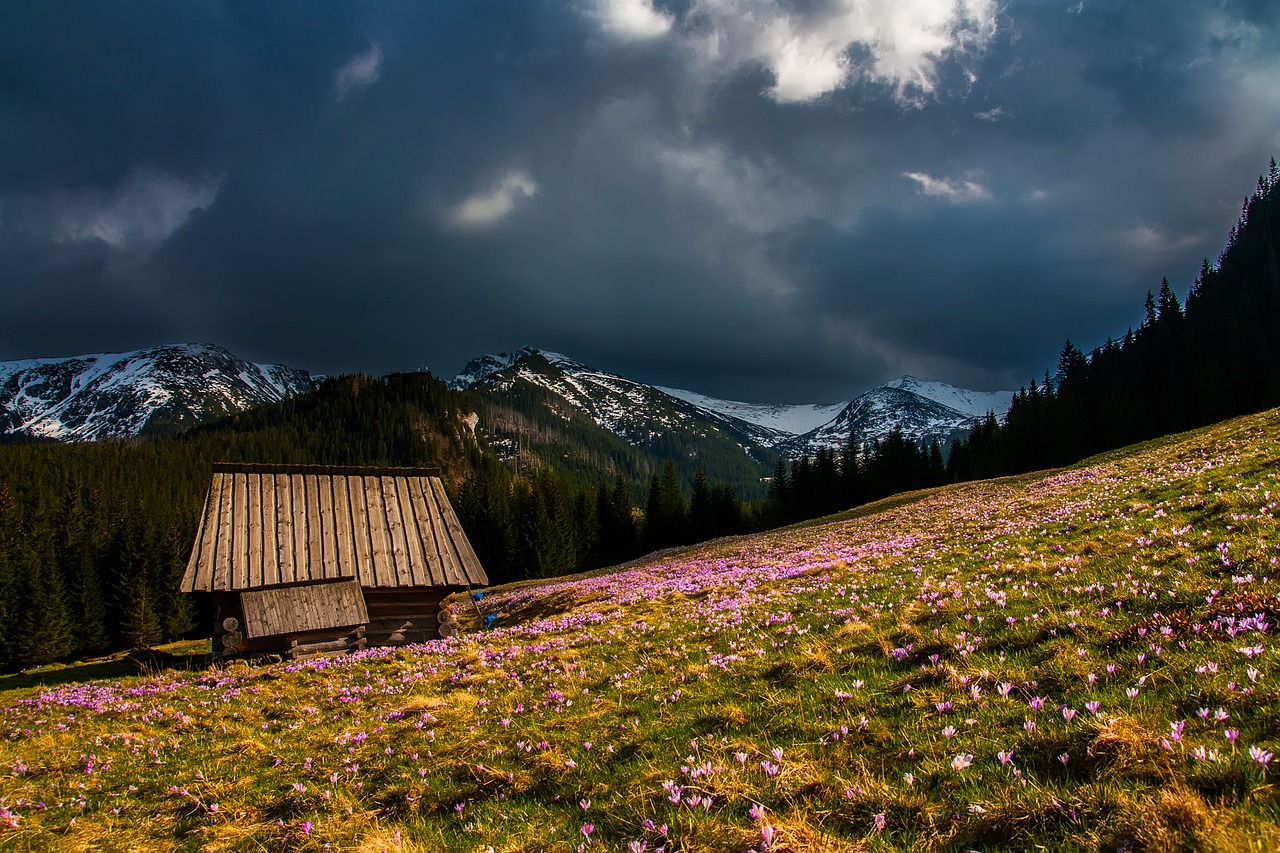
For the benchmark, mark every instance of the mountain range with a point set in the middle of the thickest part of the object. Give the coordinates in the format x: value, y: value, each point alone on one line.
x: 634, y: 411
x: 530, y: 397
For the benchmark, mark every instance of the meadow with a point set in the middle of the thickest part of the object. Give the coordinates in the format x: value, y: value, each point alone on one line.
x: 1081, y: 659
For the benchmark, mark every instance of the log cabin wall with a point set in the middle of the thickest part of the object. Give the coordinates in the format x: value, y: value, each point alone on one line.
x: 305, y: 644
x: 227, y: 612
x: 404, y: 615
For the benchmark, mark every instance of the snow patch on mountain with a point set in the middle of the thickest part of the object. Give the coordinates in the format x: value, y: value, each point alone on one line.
x: 625, y: 408
x: 123, y: 395
x: 482, y: 367
x: 876, y: 414
x: 781, y: 418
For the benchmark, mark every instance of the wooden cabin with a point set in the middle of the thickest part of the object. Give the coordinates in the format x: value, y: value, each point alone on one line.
x: 308, y: 559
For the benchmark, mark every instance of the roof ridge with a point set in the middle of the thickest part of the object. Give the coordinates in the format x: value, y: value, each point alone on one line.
x: 328, y: 470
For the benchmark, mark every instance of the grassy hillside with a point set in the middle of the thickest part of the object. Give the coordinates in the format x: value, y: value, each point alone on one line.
x: 1079, y: 660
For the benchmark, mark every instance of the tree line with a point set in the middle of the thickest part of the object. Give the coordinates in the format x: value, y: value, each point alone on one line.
x: 544, y: 526
x: 93, y: 542
x: 94, y: 537
x: 831, y: 481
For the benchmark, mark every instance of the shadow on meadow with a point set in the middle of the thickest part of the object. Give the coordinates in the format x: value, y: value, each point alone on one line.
x: 177, y: 656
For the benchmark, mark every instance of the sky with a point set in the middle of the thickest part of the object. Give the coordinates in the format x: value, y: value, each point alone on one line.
x: 763, y: 200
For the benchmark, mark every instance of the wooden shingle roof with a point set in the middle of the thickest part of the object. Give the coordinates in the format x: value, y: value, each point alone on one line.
x: 270, y: 525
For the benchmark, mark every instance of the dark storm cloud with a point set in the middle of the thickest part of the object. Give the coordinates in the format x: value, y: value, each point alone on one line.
x: 382, y: 187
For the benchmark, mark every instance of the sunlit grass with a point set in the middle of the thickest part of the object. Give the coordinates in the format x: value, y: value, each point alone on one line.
x: 1080, y: 660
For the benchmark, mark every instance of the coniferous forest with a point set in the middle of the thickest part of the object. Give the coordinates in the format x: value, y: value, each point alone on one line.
x: 94, y: 537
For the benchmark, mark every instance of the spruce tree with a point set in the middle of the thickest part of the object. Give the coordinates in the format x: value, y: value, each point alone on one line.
x: 535, y: 548
x: 141, y: 625
x: 779, y: 494
x: 937, y: 468
x: 653, y: 513
x: 1167, y: 307
x: 701, y: 522
x: 623, y: 514
x: 89, y: 604
x: 560, y: 554
x: 586, y: 532
x: 45, y: 629
x: 669, y: 519
x: 177, y: 616
x: 726, y: 510
x: 10, y: 593
x: 1072, y: 363
x: 76, y: 556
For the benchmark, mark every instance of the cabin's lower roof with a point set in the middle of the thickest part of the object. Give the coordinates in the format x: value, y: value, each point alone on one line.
x: 268, y: 525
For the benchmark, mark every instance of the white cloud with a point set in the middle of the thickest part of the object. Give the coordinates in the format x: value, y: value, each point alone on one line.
x: 494, y: 204
x: 1037, y: 195
x: 360, y: 72
x: 140, y: 213
x: 993, y: 114
x: 804, y: 68
x: 898, y: 43
x: 959, y: 192
x: 631, y: 20
x: 1150, y: 240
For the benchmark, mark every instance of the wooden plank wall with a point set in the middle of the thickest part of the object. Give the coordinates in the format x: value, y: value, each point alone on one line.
x: 270, y: 525
x: 290, y: 609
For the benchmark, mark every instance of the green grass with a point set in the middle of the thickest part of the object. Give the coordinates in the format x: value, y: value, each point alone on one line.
x: 918, y: 675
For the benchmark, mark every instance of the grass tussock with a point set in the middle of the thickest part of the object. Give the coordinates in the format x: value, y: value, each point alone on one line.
x: 1179, y: 820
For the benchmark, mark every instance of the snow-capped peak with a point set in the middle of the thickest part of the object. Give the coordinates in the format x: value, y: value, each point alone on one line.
x: 974, y: 403
x: 482, y: 367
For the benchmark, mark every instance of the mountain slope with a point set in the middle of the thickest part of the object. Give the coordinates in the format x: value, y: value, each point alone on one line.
x: 973, y: 403
x: 547, y: 406
x: 769, y: 423
x: 125, y: 395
